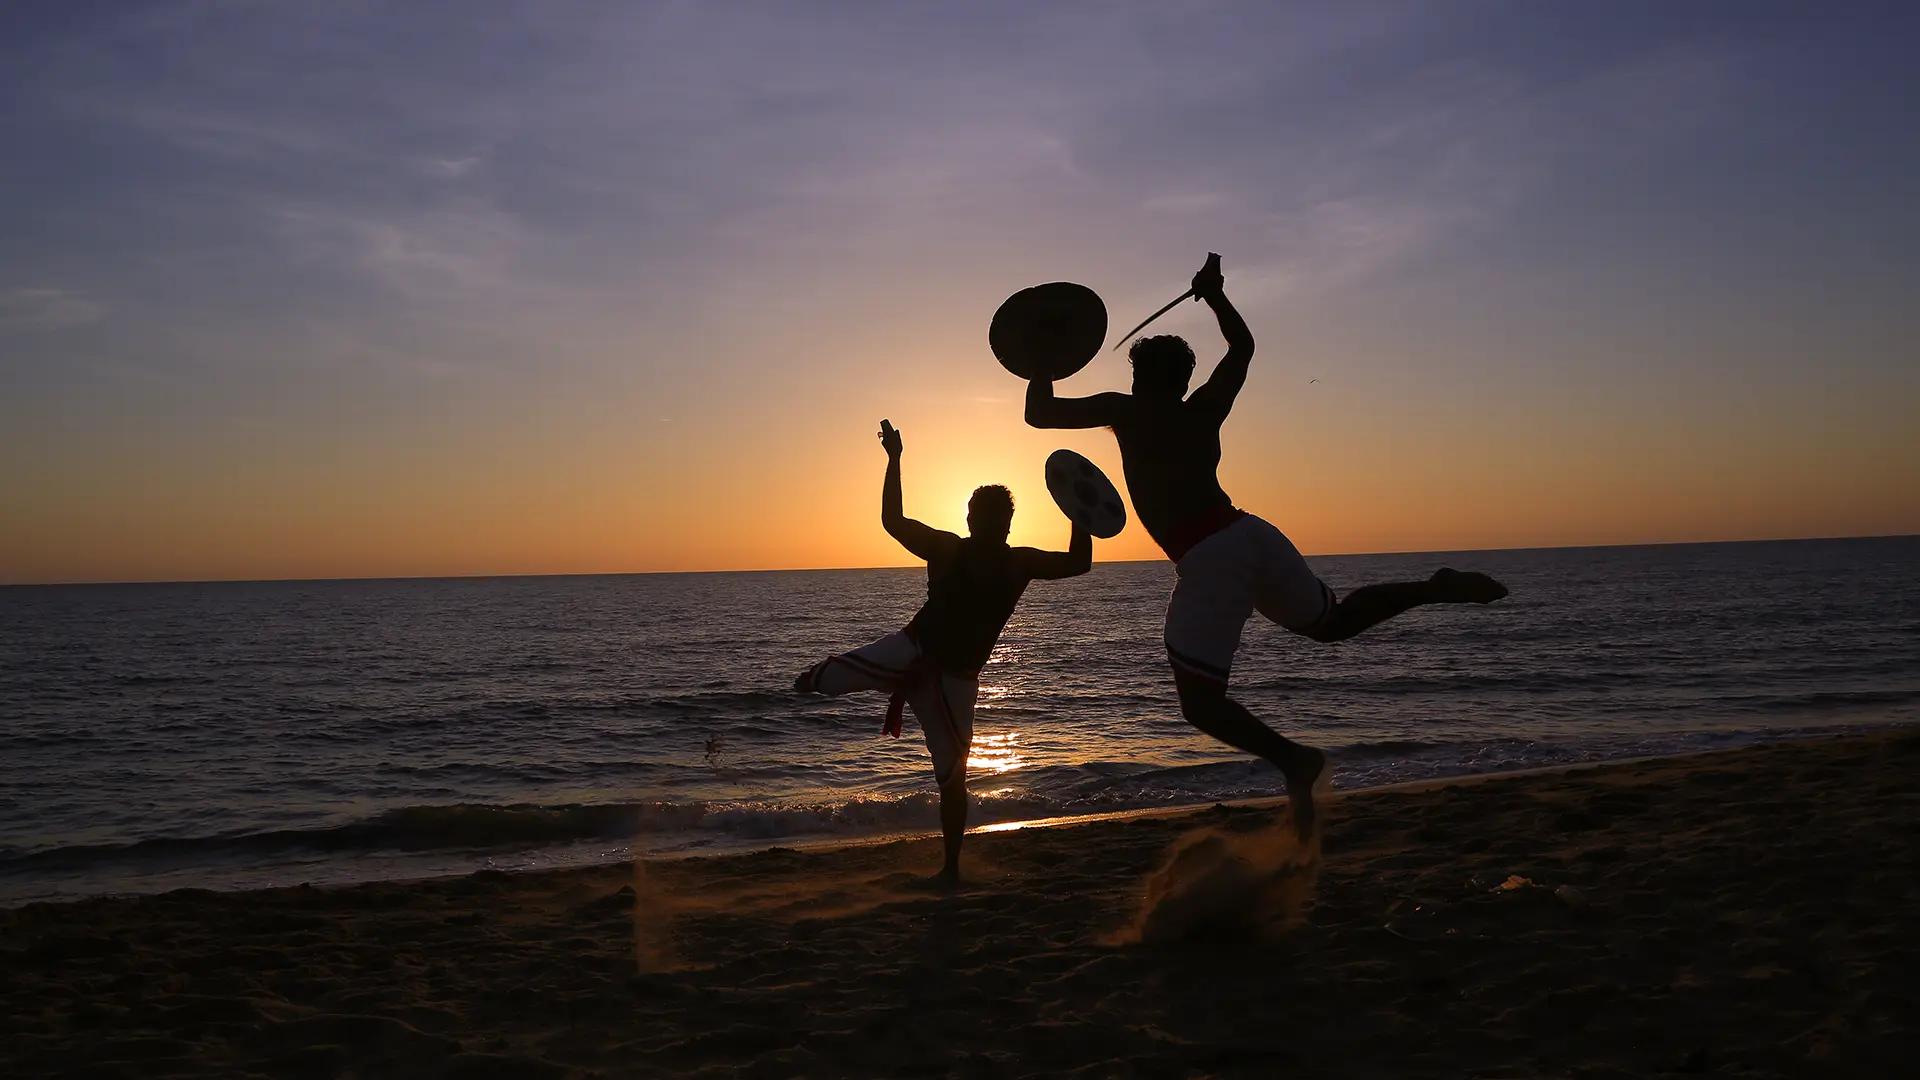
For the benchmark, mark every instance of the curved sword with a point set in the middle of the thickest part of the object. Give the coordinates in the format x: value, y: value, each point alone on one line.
x: 1213, y: 264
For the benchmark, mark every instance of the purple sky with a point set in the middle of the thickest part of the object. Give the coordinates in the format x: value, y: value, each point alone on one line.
x: 272, y: 265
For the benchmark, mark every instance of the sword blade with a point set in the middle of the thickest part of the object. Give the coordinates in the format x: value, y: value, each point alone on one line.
x: 1171, y: 304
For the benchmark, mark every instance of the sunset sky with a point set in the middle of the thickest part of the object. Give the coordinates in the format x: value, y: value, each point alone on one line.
x: 386, y: 289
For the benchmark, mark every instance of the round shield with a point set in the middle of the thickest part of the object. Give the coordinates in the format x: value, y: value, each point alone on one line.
x: 1085, y: 495
x: 1048, y: 331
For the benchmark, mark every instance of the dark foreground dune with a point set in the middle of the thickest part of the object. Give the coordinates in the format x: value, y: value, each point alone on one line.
x: 1746, y: 913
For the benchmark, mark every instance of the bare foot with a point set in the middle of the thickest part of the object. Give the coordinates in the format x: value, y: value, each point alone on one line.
x: 945, y: 881
x: 1452, y: 586
x: 1308, y: 775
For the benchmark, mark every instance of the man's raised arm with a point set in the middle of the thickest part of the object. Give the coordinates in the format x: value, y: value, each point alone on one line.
x: 1217, y: 394
x: 921, y: 539
x: 1046, y: 411
x: 1076, y: 560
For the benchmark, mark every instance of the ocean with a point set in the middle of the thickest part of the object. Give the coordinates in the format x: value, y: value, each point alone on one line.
x: 248, y: 734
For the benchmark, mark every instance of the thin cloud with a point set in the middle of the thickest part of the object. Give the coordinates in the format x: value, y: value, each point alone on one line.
x: 1192, y: 202
x: 47, y: 309
x: 451, y: 168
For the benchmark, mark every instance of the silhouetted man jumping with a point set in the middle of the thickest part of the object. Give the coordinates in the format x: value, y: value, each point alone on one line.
x: 1229, y: 562
x: 934, y: 663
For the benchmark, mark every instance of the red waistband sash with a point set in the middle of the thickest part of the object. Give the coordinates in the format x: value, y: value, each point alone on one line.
x: 921, y: 671
x: 1186, y: 535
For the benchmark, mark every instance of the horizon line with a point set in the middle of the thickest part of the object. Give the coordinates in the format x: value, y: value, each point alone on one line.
x: 906, y: 565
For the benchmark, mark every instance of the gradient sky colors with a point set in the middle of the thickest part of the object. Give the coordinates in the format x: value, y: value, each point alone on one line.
x: 383, y: 289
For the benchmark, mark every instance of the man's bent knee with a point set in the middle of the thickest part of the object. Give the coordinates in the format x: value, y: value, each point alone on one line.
x: 1200, y: 698
x: 954, y: 780
x: 1326, y: 631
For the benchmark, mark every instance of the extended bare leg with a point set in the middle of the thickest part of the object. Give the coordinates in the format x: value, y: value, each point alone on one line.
x: 1370, y: 605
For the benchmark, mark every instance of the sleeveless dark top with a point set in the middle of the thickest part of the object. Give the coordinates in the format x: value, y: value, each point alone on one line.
x: 969, y: 600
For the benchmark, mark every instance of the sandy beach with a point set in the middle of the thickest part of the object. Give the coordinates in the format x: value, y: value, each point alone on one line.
x: 1738, y: 913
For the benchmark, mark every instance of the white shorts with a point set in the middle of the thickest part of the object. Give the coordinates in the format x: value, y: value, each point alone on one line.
x: 942, y: 704
x: 1246, y: 567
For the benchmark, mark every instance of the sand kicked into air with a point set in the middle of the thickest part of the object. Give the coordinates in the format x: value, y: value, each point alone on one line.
x: 1219, y: 884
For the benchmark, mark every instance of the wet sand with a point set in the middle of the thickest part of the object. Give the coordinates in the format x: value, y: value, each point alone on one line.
x: 1746, y: 913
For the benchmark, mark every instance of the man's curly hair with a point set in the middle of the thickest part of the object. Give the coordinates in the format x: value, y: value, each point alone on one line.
x: 992, y: 501
x: 1164, y: 360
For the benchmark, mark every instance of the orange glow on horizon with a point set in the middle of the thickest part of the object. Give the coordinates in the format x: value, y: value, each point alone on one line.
x: 780, y: 476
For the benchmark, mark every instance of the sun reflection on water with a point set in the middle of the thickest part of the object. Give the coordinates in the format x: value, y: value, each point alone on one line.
x: 996, y: 753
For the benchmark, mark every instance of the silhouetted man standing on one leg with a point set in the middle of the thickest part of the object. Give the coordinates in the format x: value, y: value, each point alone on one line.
x: 1230, y: 563
x: 934, y: 664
